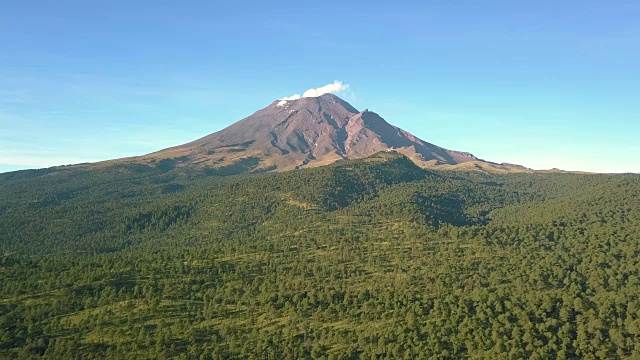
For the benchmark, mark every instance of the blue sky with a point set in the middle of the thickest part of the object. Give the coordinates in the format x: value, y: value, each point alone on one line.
x: 544, y: 84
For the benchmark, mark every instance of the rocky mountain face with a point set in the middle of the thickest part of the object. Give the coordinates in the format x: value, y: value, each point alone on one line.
x: 308, y: 132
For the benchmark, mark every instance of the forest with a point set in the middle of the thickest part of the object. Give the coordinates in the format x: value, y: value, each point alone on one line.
x: 365, y: 259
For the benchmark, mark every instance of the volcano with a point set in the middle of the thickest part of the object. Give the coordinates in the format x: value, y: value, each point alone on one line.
x: 309, y: 132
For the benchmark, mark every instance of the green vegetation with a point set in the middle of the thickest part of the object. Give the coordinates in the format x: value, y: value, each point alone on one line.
x: 366, y: 259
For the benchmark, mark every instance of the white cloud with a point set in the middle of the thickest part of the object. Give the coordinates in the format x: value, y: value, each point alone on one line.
x: 292, y: 97
x: 284, y: 100
x: 336, y: 87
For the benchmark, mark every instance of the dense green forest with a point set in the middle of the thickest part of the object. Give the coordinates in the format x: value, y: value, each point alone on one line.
x: 367, y: 259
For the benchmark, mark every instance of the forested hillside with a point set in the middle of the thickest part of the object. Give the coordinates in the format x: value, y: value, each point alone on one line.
x: 365, y: 259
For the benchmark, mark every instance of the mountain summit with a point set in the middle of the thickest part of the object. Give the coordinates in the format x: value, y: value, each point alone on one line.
x: 307, y: 132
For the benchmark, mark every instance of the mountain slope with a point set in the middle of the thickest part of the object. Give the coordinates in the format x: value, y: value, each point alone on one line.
x: 307, y: 132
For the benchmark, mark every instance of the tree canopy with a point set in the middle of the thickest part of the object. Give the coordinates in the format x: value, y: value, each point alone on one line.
x: 365, y: 259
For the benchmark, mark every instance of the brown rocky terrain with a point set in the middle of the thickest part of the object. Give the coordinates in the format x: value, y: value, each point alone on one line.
x: 308, y: 132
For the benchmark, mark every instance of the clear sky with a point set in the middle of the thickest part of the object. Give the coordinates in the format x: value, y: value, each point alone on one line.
x: 539, y: 83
